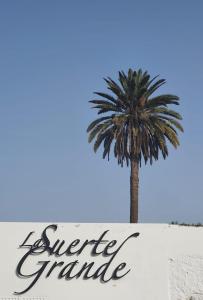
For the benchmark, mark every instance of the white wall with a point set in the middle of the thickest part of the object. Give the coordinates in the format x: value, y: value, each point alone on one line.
x: 166, y: 262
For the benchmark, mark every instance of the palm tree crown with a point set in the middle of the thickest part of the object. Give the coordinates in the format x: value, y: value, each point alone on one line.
x: 139, y: 125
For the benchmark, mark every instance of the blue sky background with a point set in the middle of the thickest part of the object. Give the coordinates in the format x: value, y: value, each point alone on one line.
x: 53, y: 55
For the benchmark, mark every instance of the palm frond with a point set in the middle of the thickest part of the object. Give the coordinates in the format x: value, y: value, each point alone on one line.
x: 139, y: 125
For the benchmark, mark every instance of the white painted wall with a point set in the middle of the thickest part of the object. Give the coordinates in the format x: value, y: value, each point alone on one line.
x: 166, y: 263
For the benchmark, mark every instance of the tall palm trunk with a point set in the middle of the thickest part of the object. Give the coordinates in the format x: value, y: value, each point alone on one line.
x: 134, y: 184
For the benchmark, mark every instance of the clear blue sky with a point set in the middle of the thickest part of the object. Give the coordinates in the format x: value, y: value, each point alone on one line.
x: 53, y: 55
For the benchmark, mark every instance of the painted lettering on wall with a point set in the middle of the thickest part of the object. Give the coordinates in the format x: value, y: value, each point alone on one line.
x: 74, y: 269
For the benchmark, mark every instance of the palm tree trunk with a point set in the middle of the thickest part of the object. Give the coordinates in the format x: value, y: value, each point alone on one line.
x: 134, y: 184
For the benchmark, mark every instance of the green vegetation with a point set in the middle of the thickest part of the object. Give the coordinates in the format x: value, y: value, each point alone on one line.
x: 187, y: 224
x: 137, y: 125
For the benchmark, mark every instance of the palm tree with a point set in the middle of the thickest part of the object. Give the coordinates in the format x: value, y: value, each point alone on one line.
x: 138, y: 127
